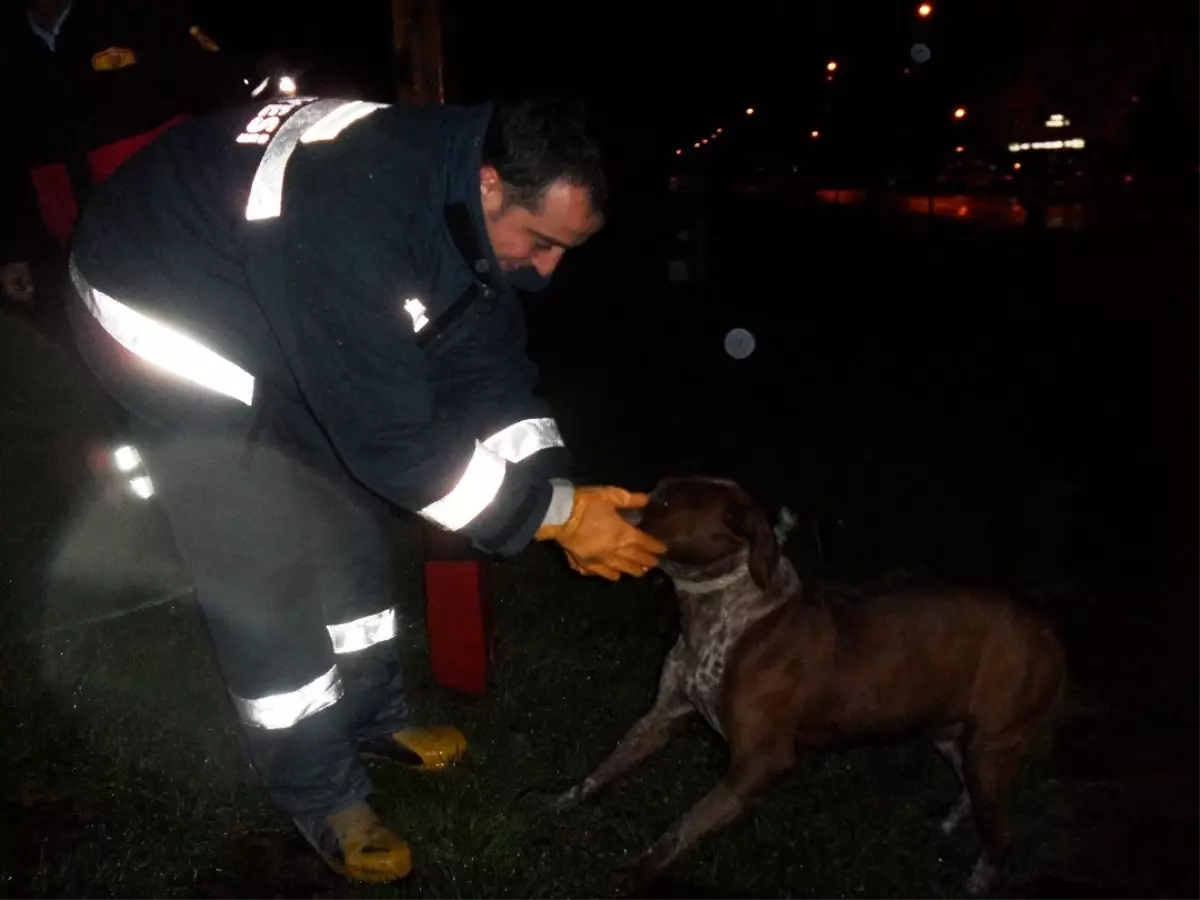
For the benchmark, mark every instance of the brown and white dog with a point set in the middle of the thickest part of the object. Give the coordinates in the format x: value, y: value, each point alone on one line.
x: 773, y: 670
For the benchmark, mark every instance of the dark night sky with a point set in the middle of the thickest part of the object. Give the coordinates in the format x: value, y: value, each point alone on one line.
x: 665, y: 72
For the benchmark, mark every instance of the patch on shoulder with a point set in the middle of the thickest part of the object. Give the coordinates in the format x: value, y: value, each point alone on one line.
x: 112, y: 59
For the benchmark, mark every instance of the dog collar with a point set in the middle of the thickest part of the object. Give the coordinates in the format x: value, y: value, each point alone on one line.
x: 708, y: 585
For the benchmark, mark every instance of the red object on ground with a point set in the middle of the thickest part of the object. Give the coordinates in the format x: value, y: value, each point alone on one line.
x: 458, y: 613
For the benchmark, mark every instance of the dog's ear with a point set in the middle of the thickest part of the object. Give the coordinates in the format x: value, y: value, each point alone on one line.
x: 748, y: 520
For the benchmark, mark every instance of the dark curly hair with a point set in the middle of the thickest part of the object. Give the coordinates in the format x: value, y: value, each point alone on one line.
x: 534, y: 142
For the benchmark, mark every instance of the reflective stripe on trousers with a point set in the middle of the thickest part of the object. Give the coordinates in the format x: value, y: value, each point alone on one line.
x: 285, y: 710
x: 162, y: 346
x: 350, y: 637
x: 485, y: 471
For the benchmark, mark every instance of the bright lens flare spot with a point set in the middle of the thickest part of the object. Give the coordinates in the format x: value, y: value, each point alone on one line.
x: 142, y: 486
x: 126, y: 458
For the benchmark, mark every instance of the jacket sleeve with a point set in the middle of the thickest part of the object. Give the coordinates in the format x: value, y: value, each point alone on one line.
x: 22, y: 233
x: 352, y: 350
x: 490, y: 379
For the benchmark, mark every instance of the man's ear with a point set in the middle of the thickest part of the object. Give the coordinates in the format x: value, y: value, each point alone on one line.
x: 491, y: 189
x: 748, y: 521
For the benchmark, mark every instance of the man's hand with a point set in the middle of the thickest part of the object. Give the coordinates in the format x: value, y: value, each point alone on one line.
x: 598, y: 541
x: 16, y: 282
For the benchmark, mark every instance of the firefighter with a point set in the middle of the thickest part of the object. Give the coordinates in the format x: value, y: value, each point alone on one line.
x: 308, y: 309
x: 85, y: 85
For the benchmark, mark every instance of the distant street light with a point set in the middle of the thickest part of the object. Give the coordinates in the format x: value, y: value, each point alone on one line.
x: 815, y: 134
x: 959, y: 149
x: 696, y: 145
x: 719, y: 130
x: 750, y: 111
x: 679, y: 152
x: 831, y: 66
x: 925, y: 10
x: 960, y: 113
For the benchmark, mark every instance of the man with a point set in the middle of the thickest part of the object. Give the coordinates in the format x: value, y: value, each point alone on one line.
x: 308, y: 310
x: 83, y: 86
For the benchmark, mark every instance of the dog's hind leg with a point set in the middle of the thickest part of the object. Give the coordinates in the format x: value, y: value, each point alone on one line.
x: 989, y: 768
x: 648, y: 735
x: 948, y: 742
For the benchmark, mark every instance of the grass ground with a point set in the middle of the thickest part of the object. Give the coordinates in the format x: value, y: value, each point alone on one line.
x: 126, y: 776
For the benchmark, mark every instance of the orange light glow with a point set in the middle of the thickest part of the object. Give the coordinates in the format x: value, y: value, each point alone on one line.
x: 960, y: 113
x: 925, y: 10
x: 696, y: 145
x: 816, y: 134
x: 959, y: 149
x: 679, y: 152
x: 719, y: 131
x: 750, y: 111
x: 1017, y: 166
x: 831, y: 66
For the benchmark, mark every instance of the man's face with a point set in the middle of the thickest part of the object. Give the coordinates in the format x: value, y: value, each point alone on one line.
x: 537, y: 238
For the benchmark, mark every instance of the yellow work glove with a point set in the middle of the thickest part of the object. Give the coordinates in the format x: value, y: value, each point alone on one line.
x: 598, y: 541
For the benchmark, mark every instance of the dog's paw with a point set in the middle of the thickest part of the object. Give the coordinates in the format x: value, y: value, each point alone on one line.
x: 568, y: 799
x: 573, y: 797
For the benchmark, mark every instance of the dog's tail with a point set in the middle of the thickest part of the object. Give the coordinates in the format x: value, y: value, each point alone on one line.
x: 787, y: 522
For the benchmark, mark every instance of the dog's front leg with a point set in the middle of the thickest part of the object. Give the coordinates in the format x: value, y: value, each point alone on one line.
x: 746, y: 778
x: 649, y: 735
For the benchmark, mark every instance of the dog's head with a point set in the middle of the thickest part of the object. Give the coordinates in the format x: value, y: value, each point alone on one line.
x: 704, y: 521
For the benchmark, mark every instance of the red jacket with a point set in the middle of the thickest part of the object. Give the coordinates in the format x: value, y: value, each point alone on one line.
x: 121, y: 72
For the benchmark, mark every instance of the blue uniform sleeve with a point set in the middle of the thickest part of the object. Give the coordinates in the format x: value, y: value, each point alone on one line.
x: 490, y: 379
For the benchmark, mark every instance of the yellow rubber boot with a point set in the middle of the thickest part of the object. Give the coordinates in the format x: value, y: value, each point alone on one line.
x: 355, y: 843
x: 428, y: 749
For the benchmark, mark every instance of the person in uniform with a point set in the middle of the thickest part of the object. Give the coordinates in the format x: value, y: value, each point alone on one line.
x: 308, y: 309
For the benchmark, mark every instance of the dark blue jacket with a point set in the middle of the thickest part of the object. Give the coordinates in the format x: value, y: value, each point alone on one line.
x: 310, y: 263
